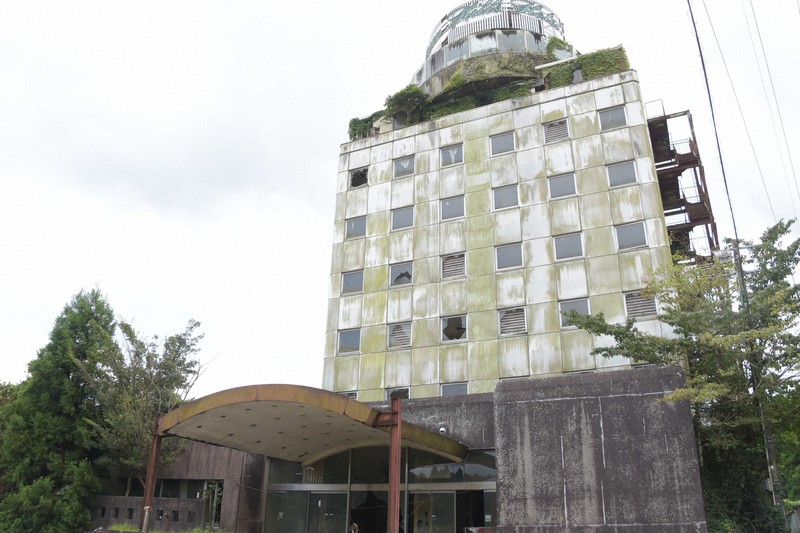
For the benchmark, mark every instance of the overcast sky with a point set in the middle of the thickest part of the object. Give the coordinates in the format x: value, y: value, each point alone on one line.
x: 181, y: 155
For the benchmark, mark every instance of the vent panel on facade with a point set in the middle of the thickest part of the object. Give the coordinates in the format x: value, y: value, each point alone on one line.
x: 512, y: 321
x: 556, y: 131
x: 400, y: 335
x: 637, y: 305
x: 453, y: 266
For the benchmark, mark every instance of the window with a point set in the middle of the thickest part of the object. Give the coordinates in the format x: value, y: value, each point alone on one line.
x: 351, y: 394
x: 556, y: 131
x: 454, y: 328
x: 129, y: 513
x: 509, y: 256
x: 450, y: 155
x: 512, y: 321
x: 399, y: 335
x: 404, y: 167
x: 502, y: 143
x: 631, y: 236
x: 563, y: 185
x: 621, y: 174
x: 358, y: 177
x: 505, y: 197
x: 400, y: 274
x: 638, y: 306
x: 580, y: 306
x: 400, y: 392
x: 176, y: 516
x: 403, y: 217
x: 116, y: 512
x: 612, y: 118
x: 453, y: 266
x: 355, y: 227
x: 352, y: 281
x: 349, y: 340
x: 190, y: 516
x: 453, y: 207
x: 568, y: 246
x: 454, y: 389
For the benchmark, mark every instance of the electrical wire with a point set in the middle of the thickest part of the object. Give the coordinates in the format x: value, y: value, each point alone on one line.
x: 769, y: 107
x: 775, y: 97
x: 741, y: 113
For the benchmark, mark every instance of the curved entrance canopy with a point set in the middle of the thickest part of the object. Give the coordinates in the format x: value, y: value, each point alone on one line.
x: 294, y: 423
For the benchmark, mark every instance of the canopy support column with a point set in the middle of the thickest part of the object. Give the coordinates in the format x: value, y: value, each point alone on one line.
x: 395, y: 432
x: 152, y: 472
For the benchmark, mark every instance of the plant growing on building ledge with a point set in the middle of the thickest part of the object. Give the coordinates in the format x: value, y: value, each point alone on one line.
x: 406, y: 105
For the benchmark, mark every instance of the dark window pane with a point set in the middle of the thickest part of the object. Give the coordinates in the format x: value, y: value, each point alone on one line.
x: 568, y: 246
x: 612, y: 118
x: 403, y: 217
x: 505, y: 197
x: 581, y: 306
x: 454, y: 328
x: 631, y: 235
x: 509, y: 256
x: 454, y: 389
x: 349, y: 340
x: 403, y: 167
x: 503, y: 143
x: 352, y: 281
x: 358, y: 177
x: 452, y: 155
x: 453, y: 207
x: 621, y: 174
x: 563, y: 185
x: 400, y: 274
x: 355, y: 227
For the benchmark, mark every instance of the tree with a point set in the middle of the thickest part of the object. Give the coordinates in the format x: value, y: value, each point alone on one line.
x: 49, y: 440
x: 736, y: 336
x: 149, y: 379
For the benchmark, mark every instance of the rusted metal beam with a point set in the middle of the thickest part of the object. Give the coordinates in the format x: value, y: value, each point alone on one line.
x: 152, y: 472
x: 394, y: 465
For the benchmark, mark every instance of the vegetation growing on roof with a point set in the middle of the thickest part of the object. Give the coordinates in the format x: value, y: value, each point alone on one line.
x: 406, y: 105
x: 361, y: 127
x: 557, y: 44
x: 594, y: 65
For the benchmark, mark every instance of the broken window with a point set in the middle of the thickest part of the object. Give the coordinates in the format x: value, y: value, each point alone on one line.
x: 556, y: 131
x: 400, y: 392
x: 502, y: 143
x: 453, y: 266
x: 453, y: 207
x: 563, y: 185
x: 568, y: 246
x: 509, y: 256
x: 352, y: 281
x: 580, y: 306
x: 454, y: 328
x: 351, y: 394
x: 355, y: 227
x: 349, y: 340
x: 400, y: 274
x: 621, y: 174
x: 404, y: 167
x: 631, y: 235
x: 399, y: 335
x: 450, y: 155
x: 403, y: 217
x: 454, y: 389
x: 358, y: 177
x: 505, y: 197
x: 638, y: 306
x: 512, y: 321
x: 612, y: 118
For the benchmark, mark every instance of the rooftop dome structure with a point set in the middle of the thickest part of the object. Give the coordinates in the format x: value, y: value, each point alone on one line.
x: 482, y: 27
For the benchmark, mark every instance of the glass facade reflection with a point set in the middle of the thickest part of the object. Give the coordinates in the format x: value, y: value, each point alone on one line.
x: 350, y: 490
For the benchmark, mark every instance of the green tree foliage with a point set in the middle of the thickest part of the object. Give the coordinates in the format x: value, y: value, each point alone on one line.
x: 86, y: 404
x: 740, y: 352
x: 49, y: 440
x: 150, y: 378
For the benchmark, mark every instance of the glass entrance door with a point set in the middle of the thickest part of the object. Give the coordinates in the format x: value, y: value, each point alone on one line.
x: 431, y: 512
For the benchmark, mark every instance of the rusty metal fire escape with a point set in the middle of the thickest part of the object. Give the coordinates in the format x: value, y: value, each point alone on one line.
x: 684, y: 195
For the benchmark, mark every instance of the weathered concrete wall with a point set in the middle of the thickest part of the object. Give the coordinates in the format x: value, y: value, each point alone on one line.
x: 596, y: 453
x: 467, y: 419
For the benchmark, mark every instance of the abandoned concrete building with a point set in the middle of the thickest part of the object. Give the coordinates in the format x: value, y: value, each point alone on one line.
x: 530, y: 183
